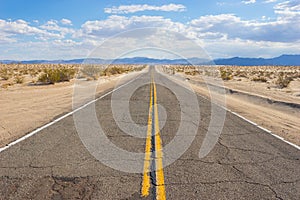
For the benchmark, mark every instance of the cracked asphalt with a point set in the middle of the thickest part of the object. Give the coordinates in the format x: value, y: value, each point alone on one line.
x: 246, y: 162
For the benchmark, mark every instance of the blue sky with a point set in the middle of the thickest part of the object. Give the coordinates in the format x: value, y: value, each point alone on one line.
x: 64, y: 29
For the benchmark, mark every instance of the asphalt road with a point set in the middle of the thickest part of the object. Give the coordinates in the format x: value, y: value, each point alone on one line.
x: 246, y: 162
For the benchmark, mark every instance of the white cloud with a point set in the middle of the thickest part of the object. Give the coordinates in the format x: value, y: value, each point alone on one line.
x: 125, y: 9
x: 21, y: 27
x: 235, y: 27
x: 270, y: 1
x: 66, y: 22
x: 52, y: 25
x: 288, y: 8
x: 115, y: 24
x: 249, y: 1
x: 223, y: 35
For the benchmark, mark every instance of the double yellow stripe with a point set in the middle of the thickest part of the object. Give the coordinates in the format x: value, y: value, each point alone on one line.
x: 146, y: 176
x: 159, y: 179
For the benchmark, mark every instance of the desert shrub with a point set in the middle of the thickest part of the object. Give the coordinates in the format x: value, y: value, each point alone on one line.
x: 259, y: 79
x: 52, y: 76
x: 140, y: 68
x: 295, y: 75
x: 269, y: 75
x: 5, y: 74
x: 6, y: 85
x: 226, y: 75
x: 192, y: 72
x: 112, y: 70
x: 91, y: 71
x: 179, y: 69
x: 116, y: 70
x: 33, y: 73
x: 240, y: 73
x: 19, y: 79
x: 66, y: 74
x: 283, y: 81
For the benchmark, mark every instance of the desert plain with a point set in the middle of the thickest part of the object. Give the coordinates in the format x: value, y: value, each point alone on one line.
x: 35, y: 94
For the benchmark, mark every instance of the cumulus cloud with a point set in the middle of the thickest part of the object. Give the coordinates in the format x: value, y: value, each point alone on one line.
x: 284, y: 29
x: 270, y: 1
x: 249, y: 1
x: 115, y: 24
x: 52, y: 25
x: 21, y: 27
x: 288, y: 8
x: 125, y: 9
x: 222, y: 35
x: 66, y: 22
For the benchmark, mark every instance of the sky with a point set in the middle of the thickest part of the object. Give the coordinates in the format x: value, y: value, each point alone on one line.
x: 64, y: 29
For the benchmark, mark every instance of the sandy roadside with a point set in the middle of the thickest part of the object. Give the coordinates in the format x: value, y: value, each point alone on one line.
x: 282, y: 120
x: 25, y: 108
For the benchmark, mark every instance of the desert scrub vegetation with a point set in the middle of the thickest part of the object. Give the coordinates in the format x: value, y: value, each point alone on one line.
x: 259, y: 79
x: 186, y: 69
x: 51, y: 76
x: 93, y: 72
x: 272, y: 76
x: 19, y: 79
x: 35, y: 74
x: 18, y: 73
x: 283, y: 81
x: 5, y: 74
x: 226, y: 74
x: 121, y: 69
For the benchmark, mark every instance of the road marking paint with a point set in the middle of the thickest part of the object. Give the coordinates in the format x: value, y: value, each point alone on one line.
x: 146, y: 176
x: 64, y: 116
x: 160, y: 183
x: 247, y: 120
x: 264, y: 129
x: 153, y: 165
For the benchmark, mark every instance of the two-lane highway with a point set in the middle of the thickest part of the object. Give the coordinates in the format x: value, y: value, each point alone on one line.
x: 246, y: 163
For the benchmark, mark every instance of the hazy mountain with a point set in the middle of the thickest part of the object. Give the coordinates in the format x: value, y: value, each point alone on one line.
x: 281, y: 60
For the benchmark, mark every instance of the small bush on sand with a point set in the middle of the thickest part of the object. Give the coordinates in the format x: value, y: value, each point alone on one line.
x: 226, y: 75
x: 192, y: 72
x: 112, y: 70
x: 283, y: 81
x: 259, y: 79
x: 91, y: 71
x: 6, y: 85
x: 5, y: 74
x: 52, y: 76
x: 19, y: 79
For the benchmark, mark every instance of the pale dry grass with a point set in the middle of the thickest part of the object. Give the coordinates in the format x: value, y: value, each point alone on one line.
x: 35, y: 74
x: 275, y: 76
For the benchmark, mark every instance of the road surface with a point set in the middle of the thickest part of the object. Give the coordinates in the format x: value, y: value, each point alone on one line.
x: 246, y: 162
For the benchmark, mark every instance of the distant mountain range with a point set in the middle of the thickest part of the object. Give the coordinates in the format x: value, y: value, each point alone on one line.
x: 292, y: 60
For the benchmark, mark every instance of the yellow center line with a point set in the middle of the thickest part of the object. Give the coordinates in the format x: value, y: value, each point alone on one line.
x: 159, y: 179
x: 146, y: 176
